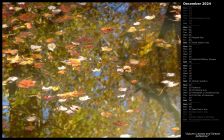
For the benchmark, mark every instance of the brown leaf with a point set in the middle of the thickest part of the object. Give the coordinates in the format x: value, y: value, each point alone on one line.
x: 63, y: 19
x: 65, y: 8
x: 120, y: 123
x: 27, y: 17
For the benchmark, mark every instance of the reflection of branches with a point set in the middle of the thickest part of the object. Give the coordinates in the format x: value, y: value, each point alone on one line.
x: 163, y: 99
x: 158, y: 124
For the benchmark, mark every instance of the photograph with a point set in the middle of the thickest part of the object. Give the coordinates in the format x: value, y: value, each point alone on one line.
x: 91, y: 69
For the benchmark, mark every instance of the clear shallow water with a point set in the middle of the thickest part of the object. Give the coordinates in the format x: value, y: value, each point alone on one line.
x: 75, y: 84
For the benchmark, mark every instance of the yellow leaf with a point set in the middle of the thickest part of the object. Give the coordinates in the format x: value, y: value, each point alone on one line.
x: 106, y: 49
x: 132, y: 29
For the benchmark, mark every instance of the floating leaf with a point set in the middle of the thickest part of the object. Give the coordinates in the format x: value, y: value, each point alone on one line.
x: 76, y: 43
x: 51, y: 7
x: 27, y: 17
x: 170, y: 74
x: 106, y: 114
x: 106, y: 29
x: 133, y: 61
x: 35, y: 48
x: 120, y: 123
x: 62, y: 68
x: 51, y: 46
x: 12, y: 79
x: 120, y: 70
x: 15, y: 59
x: 62, y: 108
x: 150, y: 17
x: 169, y: 83
x: 36, y: 56
x: 96, y: 70
x: 9, y: 51
x: 55, y: 88
x: 48, y: 97
x: 122, y: 89
x: 175, y: 129
x: 130, y: 111
x: 26, y: 61
x: 65, y: 8
x: 134, y: 81
x: 62, y: 100
x: 127, y: 68
x: 137, y: 23
x: 47, y: 88
x: 26, y: 83
x: 132, y: 29
x: 75, y: 108
x: 50, y: 40
x: 125, y: 136
x: 69, y: 111
x: 31, y: 118
x: 121, y: 96
x: 84, y: 98
x: 61, y: 72
x: 28, y: 25
x: 38, y: 65
x: 70, y: 94
x: 63, y: 19
x: 106, y: 49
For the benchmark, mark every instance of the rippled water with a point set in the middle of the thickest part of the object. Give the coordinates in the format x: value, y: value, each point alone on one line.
x: 90, y: 70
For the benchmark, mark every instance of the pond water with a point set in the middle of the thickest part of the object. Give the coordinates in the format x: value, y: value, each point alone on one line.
x: 90, y: 70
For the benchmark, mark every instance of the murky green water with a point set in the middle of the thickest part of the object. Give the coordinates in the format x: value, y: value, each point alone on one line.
x: 90, y: 70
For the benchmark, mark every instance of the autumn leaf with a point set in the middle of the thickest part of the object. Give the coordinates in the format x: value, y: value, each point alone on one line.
x: 120, y: 123
x: 127, y: 68
x: 74, y: 62
x: 106, y: 114
x: 134, y: 82
x: 36, y: 56
x: 106, y: 29
x: 50, y: 40
x: 132, y: 29
x: 9, y: 51
x: 26, y: 84
x: 61, y: 72
x: 175, y: 129
x: 28, y: 25
x: 38, y: 65
x: 106, y: 49
x: 63, y: 19
x: 70, y: 94
x: 27, y: 17
x: 26, y: 61
x: 65, y: 8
